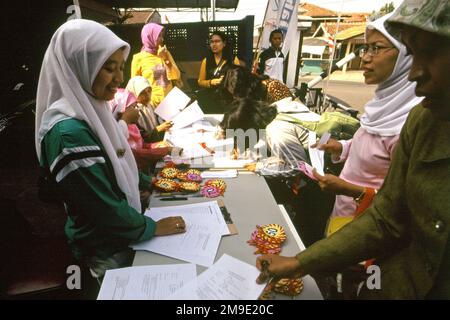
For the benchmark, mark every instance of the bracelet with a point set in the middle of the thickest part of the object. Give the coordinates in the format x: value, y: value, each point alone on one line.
x: 361, y: 196
x: 210, y: 83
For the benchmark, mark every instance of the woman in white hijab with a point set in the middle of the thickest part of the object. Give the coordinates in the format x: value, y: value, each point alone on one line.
x: 148, y: 122
x: 82, y: 147
x: 368, y: 155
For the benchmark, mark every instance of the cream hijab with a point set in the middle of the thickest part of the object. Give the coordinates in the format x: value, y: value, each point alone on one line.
x: 386, y: 113
x: 76, y: 53
x: 136, y: 85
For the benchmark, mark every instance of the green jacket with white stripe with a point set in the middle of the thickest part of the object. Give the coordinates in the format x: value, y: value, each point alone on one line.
x: 100, y: 221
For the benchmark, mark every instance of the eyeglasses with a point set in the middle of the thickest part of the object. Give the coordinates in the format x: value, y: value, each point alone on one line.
x: 372, y: 50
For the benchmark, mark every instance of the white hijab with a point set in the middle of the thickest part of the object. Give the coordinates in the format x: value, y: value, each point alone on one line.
x: 386, y: 113
x: 136, y: 85
x: 76, y: 53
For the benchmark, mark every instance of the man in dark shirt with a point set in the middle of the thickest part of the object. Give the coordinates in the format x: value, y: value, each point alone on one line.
x: 271, y: 61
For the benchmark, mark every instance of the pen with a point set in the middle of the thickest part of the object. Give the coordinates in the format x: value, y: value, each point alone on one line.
x: 173, y: 198
x: 204, y: 146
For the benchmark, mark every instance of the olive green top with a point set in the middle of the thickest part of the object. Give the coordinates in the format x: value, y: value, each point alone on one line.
x: 407, y: 227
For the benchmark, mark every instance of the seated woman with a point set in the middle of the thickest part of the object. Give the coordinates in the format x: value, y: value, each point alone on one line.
x: 155, y: 63
x: 146, y: 154
x: 212, y: 71
x: 248, y: 102
x: 151, y: 129
x: 80, y: 143
x: 240, y: 83
x: 368, y: 155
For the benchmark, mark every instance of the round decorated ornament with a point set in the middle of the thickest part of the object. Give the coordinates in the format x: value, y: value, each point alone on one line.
x: 211, y: 191
x: 289, y: 287
x: 169, y: 173
x: 166, y: 185
x: 219, y: 183
x: 268, y: 239
x: 189, y: 186
x: 191, y: 175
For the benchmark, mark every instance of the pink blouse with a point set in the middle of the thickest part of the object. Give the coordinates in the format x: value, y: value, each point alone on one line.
x: 367, y: 158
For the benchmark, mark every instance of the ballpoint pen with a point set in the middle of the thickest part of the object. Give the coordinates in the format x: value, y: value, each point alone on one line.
x: 173, y: 199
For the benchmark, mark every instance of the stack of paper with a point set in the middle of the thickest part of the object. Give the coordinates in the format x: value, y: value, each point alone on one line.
x: 172, y: 104
x: 173, y: 108
x: 228, y: 279
x: 220, y: 174
x: 205, y: 226
x: 146, y: 283
x: 188, y: 116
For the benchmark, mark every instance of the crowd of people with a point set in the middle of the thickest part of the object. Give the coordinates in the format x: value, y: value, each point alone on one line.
x: 99, y: 141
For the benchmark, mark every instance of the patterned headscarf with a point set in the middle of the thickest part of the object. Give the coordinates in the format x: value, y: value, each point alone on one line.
x: 276, y: 91
x: 428, y: 15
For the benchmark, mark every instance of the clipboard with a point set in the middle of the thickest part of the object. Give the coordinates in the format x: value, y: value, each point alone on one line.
x: 227, y: 217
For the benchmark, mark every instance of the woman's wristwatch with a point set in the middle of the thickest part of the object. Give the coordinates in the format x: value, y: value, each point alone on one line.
x: 361, y: 196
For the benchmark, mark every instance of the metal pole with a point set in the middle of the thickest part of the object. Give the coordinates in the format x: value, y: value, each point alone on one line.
x: 299, y: 57
x: 213, y: 9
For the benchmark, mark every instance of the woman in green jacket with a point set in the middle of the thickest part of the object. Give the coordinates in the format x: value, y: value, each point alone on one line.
x: 79, y: 142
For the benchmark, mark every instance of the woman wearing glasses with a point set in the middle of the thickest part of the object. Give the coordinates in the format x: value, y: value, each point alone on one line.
x: 368, y: 155
x: 407, y: 228
x: 213, y: 68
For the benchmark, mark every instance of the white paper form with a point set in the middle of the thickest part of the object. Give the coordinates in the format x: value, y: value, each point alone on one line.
x: 146, y: 282
x: 228, y: 279
x: 204, y: 125
x: 220, y: 174
x: 316, y: 155
x: 188, y: 116
x: 227, y: 163
x: 207, y: 212
x: 199, y: 144
x: 200, y: 242
x: 194, y: 151
x: 172, y: 104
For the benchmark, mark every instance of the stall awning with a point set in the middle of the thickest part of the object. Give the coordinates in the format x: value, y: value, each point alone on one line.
x: 220, y: 4
x: 313, y: 49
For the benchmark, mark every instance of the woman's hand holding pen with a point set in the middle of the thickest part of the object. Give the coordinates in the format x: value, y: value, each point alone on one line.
x: 164, y: 126
x: 130, y: 115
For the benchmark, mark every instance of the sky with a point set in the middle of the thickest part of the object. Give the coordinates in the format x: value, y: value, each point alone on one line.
x: 258, y: 7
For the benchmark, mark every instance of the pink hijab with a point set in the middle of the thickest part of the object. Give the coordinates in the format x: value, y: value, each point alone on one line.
x: 122, y: 100
x: 149, y: 35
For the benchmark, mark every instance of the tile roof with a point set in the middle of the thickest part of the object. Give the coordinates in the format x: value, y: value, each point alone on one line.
x: 316, y: 11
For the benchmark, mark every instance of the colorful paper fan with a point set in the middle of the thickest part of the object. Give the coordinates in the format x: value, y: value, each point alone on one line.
x: 289, y: 287
x: 169, y: 173
x: 268, y: 239
x: 189, y: 186
x: 191, y: 175
x: 211, y: 191
x: 219, y: 183
x: 166, y: 185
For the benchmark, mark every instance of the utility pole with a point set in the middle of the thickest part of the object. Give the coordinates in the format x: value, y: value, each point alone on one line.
x: 213, y: 9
